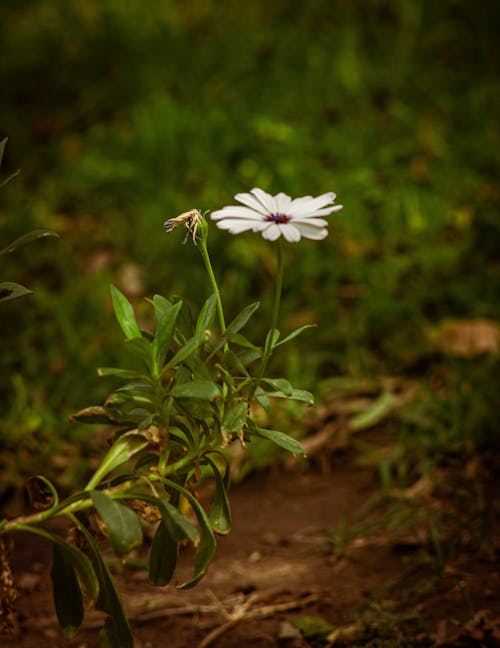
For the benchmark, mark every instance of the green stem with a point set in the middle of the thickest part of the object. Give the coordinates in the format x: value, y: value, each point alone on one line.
x: 206, y: 260
x: 269, y: 345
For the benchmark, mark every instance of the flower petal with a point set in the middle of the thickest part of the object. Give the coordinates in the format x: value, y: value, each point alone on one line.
x: 308, y: 204
x: 235, y: 211
x: 265, y: 199
x: 282, y: 203
x: 251, y: 201
x: 272, y: 232
x: 290, y: 232
x: 317, y: 222
x: 310, y: 232
x: 236, y: 226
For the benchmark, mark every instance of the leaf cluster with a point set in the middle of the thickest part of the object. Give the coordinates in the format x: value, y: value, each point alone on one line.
x: 184, y: 395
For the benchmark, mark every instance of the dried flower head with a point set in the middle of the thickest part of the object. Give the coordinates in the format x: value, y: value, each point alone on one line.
x: 191, y: 219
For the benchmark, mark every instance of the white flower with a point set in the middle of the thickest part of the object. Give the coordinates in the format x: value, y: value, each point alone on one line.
x: 278, y: 215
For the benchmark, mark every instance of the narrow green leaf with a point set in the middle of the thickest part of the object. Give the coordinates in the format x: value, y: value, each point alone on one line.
x: 11, y: 290
x: 220, y: 513
x: 180, y: 528
x: 185, y: 351
x: 94, y: 414
x: 117, y: 632
x: 247, y: 357
x: 207, y: 315
x: 296, y: 394
x: 206, y: 548
x: 78, y: 559
x: 241, y: 340
x: 121, y: 451
x: 233, y: 363
x: 279, y: 384
x: 241, y: 319
x: 379, y: 410
x: 295, y: 333
x: 142, y: 349
x: 125, y: 314
x: 121, y: 522
x: 161, y: 306
x: 201, y: 389
x: 235, y: 417
x: 68, y: 599
x: 281, y: 439
x: 27, y: 238
x: 162, y: 556
x: 126, y: 374
x: 271, y: 338
x: 164, y: 334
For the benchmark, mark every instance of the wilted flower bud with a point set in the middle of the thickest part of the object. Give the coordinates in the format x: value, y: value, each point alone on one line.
x: 193, y: 221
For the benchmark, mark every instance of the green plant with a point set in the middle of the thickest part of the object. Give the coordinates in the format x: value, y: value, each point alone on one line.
x: 185, y: 394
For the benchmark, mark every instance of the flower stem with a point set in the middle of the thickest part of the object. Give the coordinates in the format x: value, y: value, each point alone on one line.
x: 206, y: 260
x: 270, y: 339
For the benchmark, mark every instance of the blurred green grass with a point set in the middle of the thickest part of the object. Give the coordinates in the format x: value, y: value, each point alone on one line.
x: 123, y: 114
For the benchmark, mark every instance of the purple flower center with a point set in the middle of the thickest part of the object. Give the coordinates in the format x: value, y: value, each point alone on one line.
x: 277, y: 218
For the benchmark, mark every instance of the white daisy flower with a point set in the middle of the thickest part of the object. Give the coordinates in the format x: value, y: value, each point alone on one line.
x: 278, y: 215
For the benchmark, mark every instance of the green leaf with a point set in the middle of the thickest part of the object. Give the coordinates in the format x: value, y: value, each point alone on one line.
x: 201, y: 389
x: 11, y: 290
x: 94, y: 414
x: 161, y: 306
x: 235, y: 417
x: 121, y: 451
x: 142, y: 349
x: 180, y: 528
x: 295, y: 333
x: 220, y: 513
x: 206, y: 548
x: 296, y: 394
x: 233, y: 363
x: 378, y: 411
x: 241, y: 319
x: 28, y: 238
x: 68, y: 599
x: 185, y: 351
x: 279, y: 384
x: 162, y: 556
x: 241, y: 340
x: 271, y: 338
x: 281, y: 439
x: 121, y: 522
x: 125, y: 314
x: 117, y: 632
x: 164, y: 334
x: 207, y: 315
x: 78, y: 559
x: 126, y: 374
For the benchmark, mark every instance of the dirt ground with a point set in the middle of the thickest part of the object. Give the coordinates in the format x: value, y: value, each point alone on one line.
x: 282, y: 563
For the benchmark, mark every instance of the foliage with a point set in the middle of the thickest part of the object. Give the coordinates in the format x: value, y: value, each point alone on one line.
x: 184, y: 396
x: 198, y: 103
x: 9, y: 289
x: 393, y: 104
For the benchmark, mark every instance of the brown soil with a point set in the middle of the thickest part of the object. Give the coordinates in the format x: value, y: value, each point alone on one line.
x: 278, y: 565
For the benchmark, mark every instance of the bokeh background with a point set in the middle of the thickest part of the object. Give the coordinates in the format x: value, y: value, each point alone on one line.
x: 122, y: 114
